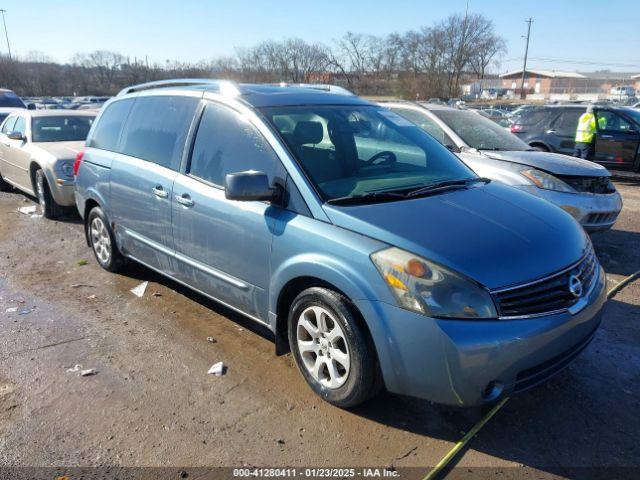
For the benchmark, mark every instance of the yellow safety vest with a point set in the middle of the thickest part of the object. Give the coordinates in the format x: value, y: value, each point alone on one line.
x: 586, y: 128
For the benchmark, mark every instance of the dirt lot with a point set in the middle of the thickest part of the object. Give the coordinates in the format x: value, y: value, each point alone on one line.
x: 153, y: 404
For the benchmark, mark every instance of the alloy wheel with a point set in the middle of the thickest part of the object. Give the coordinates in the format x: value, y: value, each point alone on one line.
x: 323, y: 347
x: 100, y: 240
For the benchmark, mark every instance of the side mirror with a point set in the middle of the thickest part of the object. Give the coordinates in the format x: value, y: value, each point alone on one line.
x: 31, y: 106
x: 16, y: 136
x: 248, y: 186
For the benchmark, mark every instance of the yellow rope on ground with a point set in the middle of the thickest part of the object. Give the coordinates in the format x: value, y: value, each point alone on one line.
x: 611, y: 293
x: 460, y: 445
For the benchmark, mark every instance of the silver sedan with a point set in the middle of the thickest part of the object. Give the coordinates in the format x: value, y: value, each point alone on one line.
x: 579, y: 187
x: 37, y: 152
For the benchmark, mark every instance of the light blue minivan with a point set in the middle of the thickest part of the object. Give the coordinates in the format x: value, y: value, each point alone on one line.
x: 371, y: 252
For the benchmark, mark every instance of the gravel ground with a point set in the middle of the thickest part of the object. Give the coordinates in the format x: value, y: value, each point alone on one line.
x: 153, y: 404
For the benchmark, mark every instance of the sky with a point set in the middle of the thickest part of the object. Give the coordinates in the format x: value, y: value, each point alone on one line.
x: 596, y: 34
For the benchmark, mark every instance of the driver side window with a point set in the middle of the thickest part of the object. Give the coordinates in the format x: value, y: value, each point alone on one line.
x: 612, y: 121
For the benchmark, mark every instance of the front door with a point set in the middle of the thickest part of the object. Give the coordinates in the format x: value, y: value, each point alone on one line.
x: 222, y: 246
x: 616, y: 139
x: 16, y: 158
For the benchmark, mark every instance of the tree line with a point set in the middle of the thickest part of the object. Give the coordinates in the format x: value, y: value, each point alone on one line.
x: 428, y: 62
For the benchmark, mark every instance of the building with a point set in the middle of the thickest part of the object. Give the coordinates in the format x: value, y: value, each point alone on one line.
x: 547, y: 84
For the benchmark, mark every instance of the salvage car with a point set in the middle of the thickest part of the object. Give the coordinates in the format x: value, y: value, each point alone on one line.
x: 37, y: 152
x: 579, y: 187
x: 9, y: 103
x: 370, y: 251
x: 553, y: 129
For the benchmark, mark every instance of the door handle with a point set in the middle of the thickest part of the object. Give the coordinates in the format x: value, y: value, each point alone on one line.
x: 606, y: 136
x: 551, y: 131
x: 158, y: 191
x: 185, y: 200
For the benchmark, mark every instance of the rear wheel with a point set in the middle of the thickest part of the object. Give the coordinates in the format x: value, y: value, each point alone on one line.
x: 331, y: 348
x: 540, y: 148
x: 50, y: 209
x: 103, y: 241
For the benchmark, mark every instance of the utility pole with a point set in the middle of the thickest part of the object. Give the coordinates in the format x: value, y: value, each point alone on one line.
x: 526, y: 52
x: 6, y: 34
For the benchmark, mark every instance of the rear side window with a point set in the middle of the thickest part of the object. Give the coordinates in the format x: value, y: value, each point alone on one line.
x: 157, y: 128
x: 534, y: 116
x: 107, y: 131
x: 228, y: 143
x: 567, y: 123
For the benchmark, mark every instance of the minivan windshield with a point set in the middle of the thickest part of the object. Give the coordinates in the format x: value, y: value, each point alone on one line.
x: 61, y: 128
x: 479, y: 132
x: 364, y: 151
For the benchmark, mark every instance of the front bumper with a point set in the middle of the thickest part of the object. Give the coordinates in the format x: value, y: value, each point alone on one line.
x: 593, y: 211
x: 62, y: 192
x: 470, y: 362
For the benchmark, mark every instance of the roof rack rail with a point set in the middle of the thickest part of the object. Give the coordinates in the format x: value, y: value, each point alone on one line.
x: 325, y: 87
x: 181, y: 82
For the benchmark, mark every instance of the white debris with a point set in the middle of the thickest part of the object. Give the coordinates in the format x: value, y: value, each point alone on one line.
x: 92, y: 297
x: 140, y: 289
x: 28, y: 210
x: 11, y: 309
x: 211, y: 340
x: 75, y: 368
x: 217, y: 369
x: 88, y: 372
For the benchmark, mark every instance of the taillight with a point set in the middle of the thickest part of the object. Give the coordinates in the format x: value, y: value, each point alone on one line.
x: 516, y: 128
x: 76, y: 164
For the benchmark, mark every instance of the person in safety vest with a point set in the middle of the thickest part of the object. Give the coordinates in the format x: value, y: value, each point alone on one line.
x: 586, y: 135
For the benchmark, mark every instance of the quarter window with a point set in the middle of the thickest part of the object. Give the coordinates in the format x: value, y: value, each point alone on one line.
x: 109, y: 127
x: 227, y: 143
x: 157, y: 128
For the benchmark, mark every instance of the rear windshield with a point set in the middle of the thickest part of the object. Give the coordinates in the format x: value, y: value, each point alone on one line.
x: 11, y: 100
x: 479, y: 132
x: 61, y: 129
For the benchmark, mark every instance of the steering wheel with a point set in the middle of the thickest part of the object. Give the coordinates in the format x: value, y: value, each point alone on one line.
x: 389, y: 158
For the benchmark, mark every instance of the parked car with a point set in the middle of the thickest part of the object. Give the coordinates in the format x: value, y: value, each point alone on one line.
x: 580, y: 187
x: 553, y: 129
x: 364, y: 245
x: 37, y: 152
x: 9, y: 102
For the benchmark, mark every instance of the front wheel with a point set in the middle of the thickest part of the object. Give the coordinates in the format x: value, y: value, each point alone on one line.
x: 50, y: 209
x: 331, y: 347
x: 540, y: 148
x: 103, y: 241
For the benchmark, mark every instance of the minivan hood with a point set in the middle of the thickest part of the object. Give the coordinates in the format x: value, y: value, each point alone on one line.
x: 554, y: 163
x: 494, y: 234
x: 61, y: 150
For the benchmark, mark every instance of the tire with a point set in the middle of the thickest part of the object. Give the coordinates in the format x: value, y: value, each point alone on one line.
x: 347, y: 374
x: 50, y: 209
x: 4, y: 186
x: 540, y: 148
x: 103, y: 242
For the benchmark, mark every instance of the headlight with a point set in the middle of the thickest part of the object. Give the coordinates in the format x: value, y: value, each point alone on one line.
x: 66, y: 168
x: 430, y: 289
x: 543, y: 180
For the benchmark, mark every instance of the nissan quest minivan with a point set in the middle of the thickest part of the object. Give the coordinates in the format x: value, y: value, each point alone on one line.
x: 371, y: 252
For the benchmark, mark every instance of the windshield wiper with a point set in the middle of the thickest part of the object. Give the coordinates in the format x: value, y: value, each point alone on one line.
x: 447, y: 185
x: 369, y: 197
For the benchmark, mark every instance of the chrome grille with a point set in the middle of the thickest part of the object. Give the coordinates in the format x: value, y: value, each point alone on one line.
x: 549, y: 294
